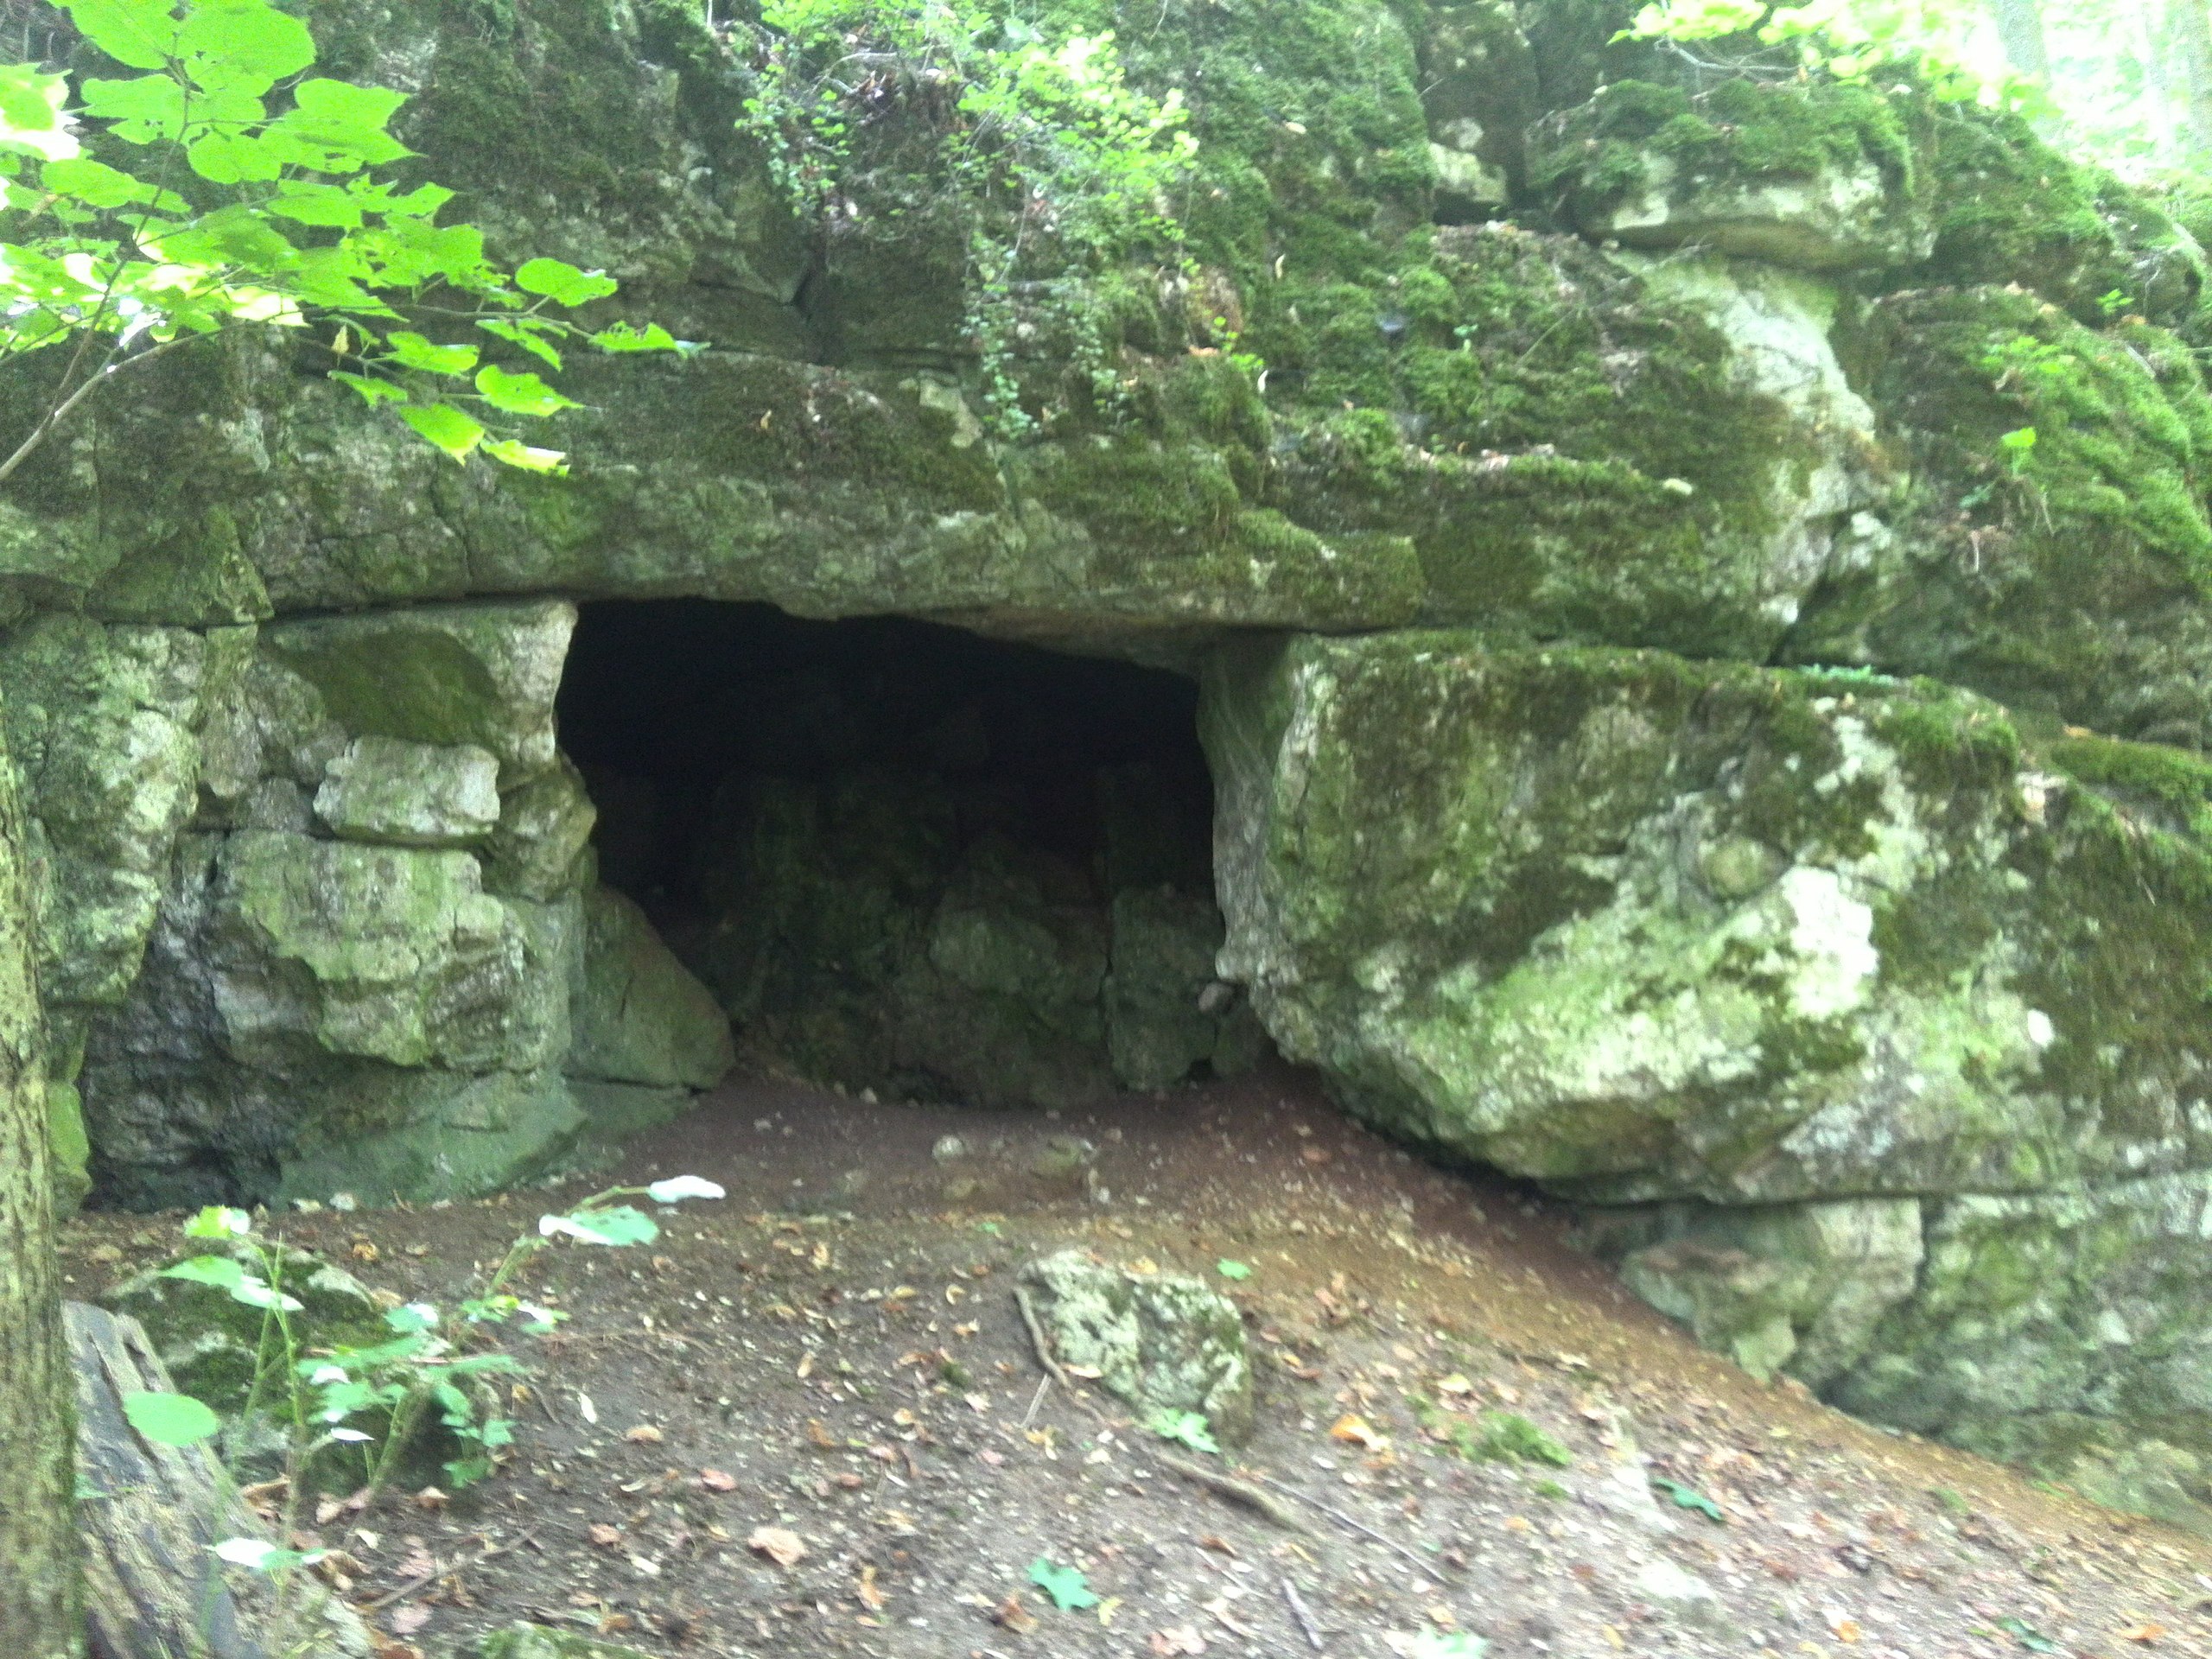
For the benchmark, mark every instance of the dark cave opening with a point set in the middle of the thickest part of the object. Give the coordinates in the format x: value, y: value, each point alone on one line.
x: 907, y: 858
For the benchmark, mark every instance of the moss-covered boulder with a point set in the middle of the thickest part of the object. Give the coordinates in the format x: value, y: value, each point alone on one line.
x: 2056, y: 551
x: 1165, y: 1342
x: 1643, y: 927
x: 1810, y: 174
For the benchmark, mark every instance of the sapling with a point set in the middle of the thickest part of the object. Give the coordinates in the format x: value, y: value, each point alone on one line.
x: 427, y: 1369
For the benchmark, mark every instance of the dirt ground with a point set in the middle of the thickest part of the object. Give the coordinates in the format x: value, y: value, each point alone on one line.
x: 835, y: 1351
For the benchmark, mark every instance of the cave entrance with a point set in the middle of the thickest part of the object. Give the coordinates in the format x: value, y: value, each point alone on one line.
x: 908, y: 859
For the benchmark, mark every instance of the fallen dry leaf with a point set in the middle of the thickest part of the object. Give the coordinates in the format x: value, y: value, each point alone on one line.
x: 430, y: 1499
x: 869, y: 1593
x: 604, y: 1536
x: 1359, y: 1432
x: 2144, y: 1633
x: 1011, y: 1615
x: 1180, y: 1640
x: 1846, y: 1631
x: 716, y: 1481
x: 779, y: 1544
x: 405, y: 1621
x: 643, y: 1434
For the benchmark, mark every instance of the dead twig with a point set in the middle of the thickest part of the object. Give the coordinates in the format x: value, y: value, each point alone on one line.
x: 1344, y: 1520
x: 1304, y: 1615
x: 1237, y: 1492
x: 1044, y: 1387
x: 1037, y: 1338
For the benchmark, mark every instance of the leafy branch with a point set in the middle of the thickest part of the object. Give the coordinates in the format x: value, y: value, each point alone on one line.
x: 245, y: 198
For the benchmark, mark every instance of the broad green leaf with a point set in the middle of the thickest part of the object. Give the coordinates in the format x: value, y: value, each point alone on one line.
x: 412, y: 1318
x: 219, y: 1271
x: 619, y: 1225
x: 1069, y: 1591
x: 624, y: 337
x: 412, y: 351
x: 32, y: 117
x: 373, y: 391
x: 512, y: 451
x: 258, y: 1293
x: 139, y: 33
x: 562, y: 283
x: 170, y: 1419
x: 344, y: 122
x: 1187, y: 1428
x: 317, y: 204
x: 219, y: 1221
x: 245, y: 43
x: 145, y: 111
x: 446, y: 427
x: 525, y: 332
x: 1233, y: 1270
x: 97, y: 184
x: 235, y: 158
x: 519, y: 394
x: 1689, y: 1497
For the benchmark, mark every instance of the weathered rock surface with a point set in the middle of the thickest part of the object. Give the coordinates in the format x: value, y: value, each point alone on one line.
x: 1866, y: 1015
x: 1165, y: 1342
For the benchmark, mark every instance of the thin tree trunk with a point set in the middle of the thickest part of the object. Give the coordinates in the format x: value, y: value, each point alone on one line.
x: 2019, y: 28
x: 2192, y: 37
x: 41, y: 1615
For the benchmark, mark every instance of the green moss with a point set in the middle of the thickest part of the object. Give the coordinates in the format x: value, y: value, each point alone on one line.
x: 2014, y: 210
x: 1740, y: 130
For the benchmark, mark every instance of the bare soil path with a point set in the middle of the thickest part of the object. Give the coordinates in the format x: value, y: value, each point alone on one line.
x: 834, y: 1353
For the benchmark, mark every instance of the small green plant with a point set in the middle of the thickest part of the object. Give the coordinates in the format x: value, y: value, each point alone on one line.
x: 2018, y: 448
x: 1497, y: 1437
x: 429, y: 1367
x: 1689, y: 1497
x: 1550, y: 1490
x: 1070, y: 1590
x: 1057, y: 166
x: 1186, y: 1428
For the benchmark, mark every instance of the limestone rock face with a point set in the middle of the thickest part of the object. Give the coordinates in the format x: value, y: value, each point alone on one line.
x: 382, y: 790
x: 1164, y: 1342
x: 1865, y: 1015
x: 1837, y: 956
x: 639, y: 1017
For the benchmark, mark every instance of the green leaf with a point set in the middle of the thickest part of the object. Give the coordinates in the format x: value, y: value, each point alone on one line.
x: 1069, y: 1591
x: 519, y: 394
x: 443, y: 425
x: 170, y: 1419
x: 412, y: 1318
x: 1447, y: 1644
x: 139, y: 33
x: 219, y: 1271
x: 412, y: 351
x: 241, y: 43
x: 2027, y: 1636
x: 145, y: 111
x: 526, y: 333
x: 512, y: 451
x: 1186, y: 1427
x: 621, y: 1224
x: 95, y: 183
x: 1689, y: 1497
x: 624, y: 337
x: 562, y: 282
x: 31, y: 118
x: 373, y: 391
x: 343, y: 124
x: 317, y: 204
x: 219, y: 1221
x: 1236, y: 1270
